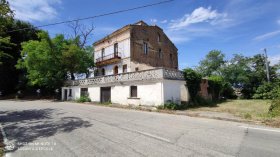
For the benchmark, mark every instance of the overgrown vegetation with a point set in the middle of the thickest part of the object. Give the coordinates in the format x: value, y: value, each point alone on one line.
x: 83, y: 99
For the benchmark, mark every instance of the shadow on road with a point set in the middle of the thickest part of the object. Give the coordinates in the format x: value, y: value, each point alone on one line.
x: 28, y: 125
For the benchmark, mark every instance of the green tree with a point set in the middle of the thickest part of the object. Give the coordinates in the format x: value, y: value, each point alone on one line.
x: 10, y: 47
x: 212, y: 64
x: 193, y: 80
x: 49, y: 62
x: 216, y: 85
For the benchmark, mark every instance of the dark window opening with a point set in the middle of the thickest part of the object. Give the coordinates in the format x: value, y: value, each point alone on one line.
x: 102, y: 53
x: 136, y: 69
x: 84, y: 91
x: 116, y: 70
x: 70, y: 92
x: 159, y: 54
x: 145, y: 48
x: 124, y: 68
x: 158, y: 37
x: 103, y: 71
x: 116, y: 49
x: 133, y: 91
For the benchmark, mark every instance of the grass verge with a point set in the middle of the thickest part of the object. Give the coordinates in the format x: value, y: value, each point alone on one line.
x: 254, y: 110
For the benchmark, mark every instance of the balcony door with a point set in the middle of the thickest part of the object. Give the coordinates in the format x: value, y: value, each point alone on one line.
x: 116, y: 70
x: 116, y: 48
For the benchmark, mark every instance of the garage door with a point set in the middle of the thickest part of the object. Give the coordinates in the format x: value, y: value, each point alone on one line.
x: 105, y: 94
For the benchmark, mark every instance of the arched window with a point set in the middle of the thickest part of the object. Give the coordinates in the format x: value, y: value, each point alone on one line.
x: 116, y: 70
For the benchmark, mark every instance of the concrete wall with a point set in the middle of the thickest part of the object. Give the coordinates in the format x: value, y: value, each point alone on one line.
x: 148, y: 93
x: 75, y: 93
x: 175, y: 90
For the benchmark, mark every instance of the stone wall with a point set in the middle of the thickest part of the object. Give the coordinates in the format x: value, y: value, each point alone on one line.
x: 149, y: 34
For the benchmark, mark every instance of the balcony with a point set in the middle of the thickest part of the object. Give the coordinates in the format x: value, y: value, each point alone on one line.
x: 109, y: 59
x: 146, y: 75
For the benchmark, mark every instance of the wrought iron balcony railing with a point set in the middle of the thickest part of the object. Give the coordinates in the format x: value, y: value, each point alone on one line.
x: 108, y: 59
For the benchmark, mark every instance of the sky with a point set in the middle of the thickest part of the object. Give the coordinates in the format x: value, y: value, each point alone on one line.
x: 195, y: 26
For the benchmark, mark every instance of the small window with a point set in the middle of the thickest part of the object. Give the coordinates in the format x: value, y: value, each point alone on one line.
x: 133, y: 91
x: 116, y: 49
x: 158, y: 37
x: 103, y: 72
x: 136, y: 69
x: 84, y: 91
x: 145, y: 48
x: 116, y: 70
x: 102, y: 53
x: 70, y: 93
x: 159, y: 54
x: 171, y: 59
x: 124, y: 68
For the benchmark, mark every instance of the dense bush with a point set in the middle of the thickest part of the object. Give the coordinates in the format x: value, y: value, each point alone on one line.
x: 170, y: 105
x: 274, y: 108
x: 267, y: 91
x: 83, y: 99
x: 216, y: 84
x: 193, y: 80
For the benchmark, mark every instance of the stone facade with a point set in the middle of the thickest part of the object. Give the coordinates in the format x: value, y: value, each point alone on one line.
x: 130, y: 40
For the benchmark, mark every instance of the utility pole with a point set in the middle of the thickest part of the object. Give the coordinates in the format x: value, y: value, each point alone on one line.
x: 266, y: 66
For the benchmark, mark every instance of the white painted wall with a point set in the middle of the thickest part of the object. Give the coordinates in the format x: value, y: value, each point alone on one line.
x: 124, y: 49
x: 94, y: 93
x: 174, y: 90
x: 75, y: 93
x: 148, y: 93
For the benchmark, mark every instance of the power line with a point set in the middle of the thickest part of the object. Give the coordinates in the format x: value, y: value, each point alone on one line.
x: 96, y: 16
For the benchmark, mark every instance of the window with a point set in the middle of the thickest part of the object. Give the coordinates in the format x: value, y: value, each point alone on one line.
x: 158, y: 37
x: 84, y: 91
x: 159, y: 54
x: 171, y: 59
x: 103, y: 71
x: 116, y: 70
x: 124, y: 68
x: 136, y: 69
x: 116, y: 47
x: 145, y: 48
x: 70, y: 93
x: 133, y: 91
x: 102, y: 53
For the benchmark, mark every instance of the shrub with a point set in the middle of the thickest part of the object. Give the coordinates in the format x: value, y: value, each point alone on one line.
x: 267, y: 91
x: 170, y: 105
x: 83, y: 99
x: 193, y: 80
x: 274, y: 109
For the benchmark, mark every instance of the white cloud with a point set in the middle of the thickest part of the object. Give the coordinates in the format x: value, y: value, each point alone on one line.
x: 274, y: 59
x: 153, y: 21
x: 163, y: 21
x: 199, y: 15
x: 267, y: 35
x: 278, y: 21
x: 34, y: 10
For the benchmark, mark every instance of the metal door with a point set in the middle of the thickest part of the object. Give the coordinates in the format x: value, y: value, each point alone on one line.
x: 105, y: 95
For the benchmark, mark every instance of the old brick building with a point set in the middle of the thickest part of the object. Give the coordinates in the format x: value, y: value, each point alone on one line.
x: 136, y: 64
x: 135, y: 47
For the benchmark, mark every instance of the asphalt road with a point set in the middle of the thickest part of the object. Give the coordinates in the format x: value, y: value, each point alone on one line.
x: 43, y: 128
